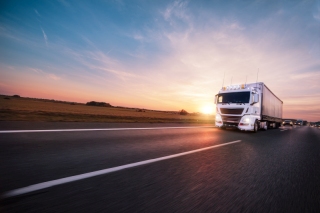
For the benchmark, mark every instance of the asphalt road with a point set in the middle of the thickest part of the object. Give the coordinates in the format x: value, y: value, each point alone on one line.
x: 270, y: 171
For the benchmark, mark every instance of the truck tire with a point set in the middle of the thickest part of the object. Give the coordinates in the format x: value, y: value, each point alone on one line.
x: 266, y: 126
x: 271, y: 125
x: 255, y: 126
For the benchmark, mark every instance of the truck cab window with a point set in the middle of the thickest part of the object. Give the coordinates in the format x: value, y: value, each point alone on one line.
x: 234, y: 97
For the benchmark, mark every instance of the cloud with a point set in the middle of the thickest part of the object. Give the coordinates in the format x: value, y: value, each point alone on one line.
x: 176, y: 10
x: 36, y: 11
x: 53, y: 76
x: 46, y: 74
x: 316, y: 13
x: 236, y: 26
x: 197, y: 52
x: 13, y: 34
x: 99, y: 61
x: 64, y: 3
x: 138, y: 37
x: 39, y: 71
x: 45, y: 36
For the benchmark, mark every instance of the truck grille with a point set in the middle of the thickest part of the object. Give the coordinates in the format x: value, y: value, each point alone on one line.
x: 237, y: 111
x: 231, y: 119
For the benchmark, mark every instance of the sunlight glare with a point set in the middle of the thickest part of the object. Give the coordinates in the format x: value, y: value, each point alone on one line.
x: 207, y: 109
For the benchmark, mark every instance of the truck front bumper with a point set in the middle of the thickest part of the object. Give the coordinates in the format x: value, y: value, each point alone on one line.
x: 246, y: 127
x: 240, y: 126
x: 244, y: 123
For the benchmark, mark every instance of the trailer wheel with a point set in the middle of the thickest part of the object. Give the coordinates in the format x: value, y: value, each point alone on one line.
x: 255, y: 127
x: 266, y: 126
x: 270, y: 126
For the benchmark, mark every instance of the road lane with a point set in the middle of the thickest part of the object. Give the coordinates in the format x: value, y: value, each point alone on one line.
x: 25, y: 125
x: 45, y: 185
x: 40, y: 157
x: 276, y: 171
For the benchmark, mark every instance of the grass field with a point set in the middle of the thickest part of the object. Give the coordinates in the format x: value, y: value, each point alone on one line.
x: 29, y: 109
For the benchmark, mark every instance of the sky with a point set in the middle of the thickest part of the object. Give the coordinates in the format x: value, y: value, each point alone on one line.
x: 158, y: 54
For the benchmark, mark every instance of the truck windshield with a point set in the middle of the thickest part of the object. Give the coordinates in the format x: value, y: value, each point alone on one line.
x: 234, y: 97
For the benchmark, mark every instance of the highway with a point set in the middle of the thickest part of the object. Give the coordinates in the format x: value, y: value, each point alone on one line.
x: 96, y: 167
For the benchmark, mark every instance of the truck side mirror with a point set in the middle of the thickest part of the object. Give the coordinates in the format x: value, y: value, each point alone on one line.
x: 255, y: 98
x: 216, y: 99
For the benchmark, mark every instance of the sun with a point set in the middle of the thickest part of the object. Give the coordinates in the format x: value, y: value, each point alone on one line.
x: 207, y: 109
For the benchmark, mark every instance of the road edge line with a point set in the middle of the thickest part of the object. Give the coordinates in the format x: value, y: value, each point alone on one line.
x: 99, y: 129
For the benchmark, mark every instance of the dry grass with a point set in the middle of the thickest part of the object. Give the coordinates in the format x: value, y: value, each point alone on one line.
x: 28, y: 109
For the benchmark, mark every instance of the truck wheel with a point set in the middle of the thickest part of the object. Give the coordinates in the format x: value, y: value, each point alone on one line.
x: 272, y: 125
x: 266, y: 126
x: 255, y: 126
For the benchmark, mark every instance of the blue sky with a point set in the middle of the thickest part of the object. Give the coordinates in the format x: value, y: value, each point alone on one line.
x: 165, y: 55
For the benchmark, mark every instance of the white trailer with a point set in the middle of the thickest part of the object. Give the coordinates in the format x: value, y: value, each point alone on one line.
x: 248, y: 107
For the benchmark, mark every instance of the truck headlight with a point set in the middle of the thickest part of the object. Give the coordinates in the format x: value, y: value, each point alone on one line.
x: 244, y: 121
x: 218, y: 118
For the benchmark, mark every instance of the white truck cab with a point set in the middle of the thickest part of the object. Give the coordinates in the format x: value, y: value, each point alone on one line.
x: 248, y: 107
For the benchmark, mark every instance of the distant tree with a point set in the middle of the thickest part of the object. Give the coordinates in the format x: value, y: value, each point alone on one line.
x: 16, y: 96
x: 141, y: 110
x: 183, y: 112
x: 102, y: 104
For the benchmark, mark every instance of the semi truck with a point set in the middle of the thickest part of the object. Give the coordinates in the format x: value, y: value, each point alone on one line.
x: 300, y: 122
x: 248, y: 107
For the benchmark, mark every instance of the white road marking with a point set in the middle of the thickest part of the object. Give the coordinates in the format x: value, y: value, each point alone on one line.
x: 283, y: 130
x: 103, y: 129
x: 52, y: 183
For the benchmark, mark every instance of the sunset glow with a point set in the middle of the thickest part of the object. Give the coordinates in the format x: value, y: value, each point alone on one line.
x: 164, y: 55
x: 207, y: 109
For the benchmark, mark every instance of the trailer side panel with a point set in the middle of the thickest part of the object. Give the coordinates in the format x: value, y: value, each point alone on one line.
x: 271, y: 106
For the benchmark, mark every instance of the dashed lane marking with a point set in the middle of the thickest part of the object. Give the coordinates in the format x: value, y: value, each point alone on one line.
x: 44, y: 185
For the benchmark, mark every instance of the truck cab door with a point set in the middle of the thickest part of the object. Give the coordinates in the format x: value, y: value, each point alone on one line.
x: 255, y: 98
